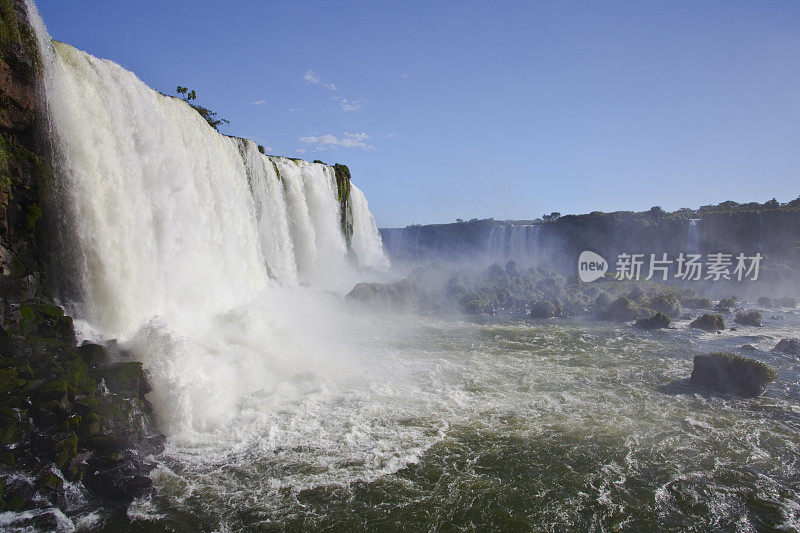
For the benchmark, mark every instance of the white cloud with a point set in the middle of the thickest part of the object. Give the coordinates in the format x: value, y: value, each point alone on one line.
x: 351, y: 105
x: 310, y: 77
x: 259, y: 102
x: 350, y: 140
x: 313, y: 79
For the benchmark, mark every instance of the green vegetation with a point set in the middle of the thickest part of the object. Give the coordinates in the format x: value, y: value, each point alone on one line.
x: 342, y: 174
x: 210, y: 116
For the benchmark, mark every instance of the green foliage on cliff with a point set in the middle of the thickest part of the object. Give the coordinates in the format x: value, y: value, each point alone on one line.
x: 342, y: 174
x: 210, y: 116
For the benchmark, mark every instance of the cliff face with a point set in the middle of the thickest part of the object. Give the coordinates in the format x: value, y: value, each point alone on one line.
x: 67, y: 412
x: 773, y: 230
x: 24, y: 174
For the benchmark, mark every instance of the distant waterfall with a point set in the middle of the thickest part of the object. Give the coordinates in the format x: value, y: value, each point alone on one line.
x: 693, y: 237
x: 171, y: 215
x: 518, y: 242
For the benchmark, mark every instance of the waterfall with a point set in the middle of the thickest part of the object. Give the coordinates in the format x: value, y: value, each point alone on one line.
x: 518, y: 242
x: 693, y: 237
x: 187, y: 240
x: 366, y: 240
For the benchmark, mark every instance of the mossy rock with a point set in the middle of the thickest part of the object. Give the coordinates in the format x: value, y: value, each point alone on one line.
x: 708, y: 322
x: 93, y: 354
x: 9, y: 380
x: 50, y: 481
x: 667, y: 304
x: 728, y: 373
x: 749, y: 318
x: 53, y: 390
x: 697, y: 303
x: 20, y: 365
x: 125, y: 377
x: 66, y: 449
x: 90, y: 425
x: 543, y: 309
x: 789, y: 346
x: 657, y: 321
x: 14, y: 425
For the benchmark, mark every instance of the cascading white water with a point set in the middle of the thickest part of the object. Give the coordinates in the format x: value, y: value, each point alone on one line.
x: 693, y: 238
x: 516, y: 242
x: 366, y: 240
x: 188, y: 240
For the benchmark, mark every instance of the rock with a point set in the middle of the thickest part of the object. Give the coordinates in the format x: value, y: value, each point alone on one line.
x: 93, y: 354
x: 543, y: 309
x: 623, y: 309
x: 729, y: 373
x: 126, y: 378
x: 749, y: 318
x: 657, y: 321
x: 786, y: 301
x: 697, y: 303
x: 667, y: 304
x: 765, y: 301
x: 790, y: 346
x: 748, y: 348
x: 708, y: 322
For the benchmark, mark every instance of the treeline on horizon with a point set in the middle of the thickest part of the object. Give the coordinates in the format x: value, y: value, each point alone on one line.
x: 655, y: 212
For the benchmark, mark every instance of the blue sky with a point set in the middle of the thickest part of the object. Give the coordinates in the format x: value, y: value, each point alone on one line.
x: 446, y: 110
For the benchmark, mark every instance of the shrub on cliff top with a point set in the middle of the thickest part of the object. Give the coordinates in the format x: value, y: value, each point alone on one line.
x: 207, y: 114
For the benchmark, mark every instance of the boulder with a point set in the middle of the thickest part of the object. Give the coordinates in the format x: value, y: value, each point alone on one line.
x: 623, y: 309
x: 667, y: 304
x: 790, y: 346
x: 749, y: 318
x: 708, y: 322
x: 697, y: 303
x: 786, y: 301
x: 543, y: 309
x: 657, y: 321
x: 728, y: 373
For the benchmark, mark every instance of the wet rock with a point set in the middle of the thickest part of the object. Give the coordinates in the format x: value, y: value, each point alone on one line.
x: 657, y: 321
x: 708, y: 322
x: 728, y: 373
x: 543, y: 309
x: 623, y: 309
x: 786, y: 301
x: 748, y: 348
x: 790, y: 346
x: 127, y: 378
x: 697, y: 303
x: 749, y: 318
x: 765, y: 301
x: 667, y: 304
x: 93, y: 354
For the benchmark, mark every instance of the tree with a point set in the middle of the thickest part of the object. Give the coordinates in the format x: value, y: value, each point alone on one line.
x: 552, y: 216
x: 207, y: 114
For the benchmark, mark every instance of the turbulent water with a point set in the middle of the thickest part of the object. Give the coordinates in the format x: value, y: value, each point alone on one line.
x: 420, y: 423
x: 222, y: 269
